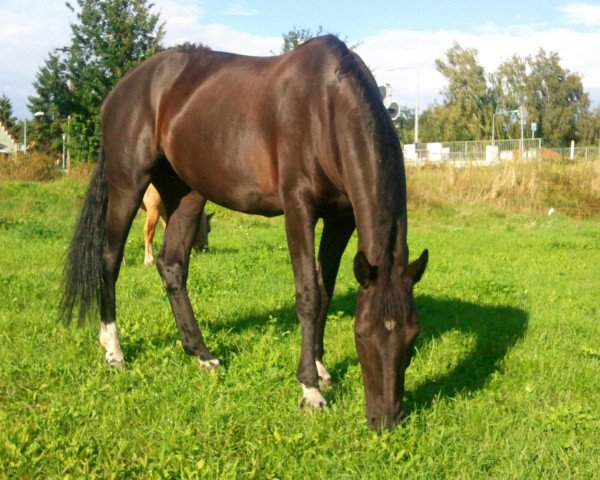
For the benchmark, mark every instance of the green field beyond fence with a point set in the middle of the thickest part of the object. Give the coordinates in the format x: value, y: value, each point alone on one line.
x: 504, y: 383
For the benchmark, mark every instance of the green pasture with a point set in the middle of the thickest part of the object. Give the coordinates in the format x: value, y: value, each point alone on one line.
x: 505, y: 382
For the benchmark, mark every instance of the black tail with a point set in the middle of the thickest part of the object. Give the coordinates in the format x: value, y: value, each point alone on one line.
x: 83, y: 283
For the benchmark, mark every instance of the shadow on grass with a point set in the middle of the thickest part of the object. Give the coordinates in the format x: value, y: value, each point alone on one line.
x: 496, y: 329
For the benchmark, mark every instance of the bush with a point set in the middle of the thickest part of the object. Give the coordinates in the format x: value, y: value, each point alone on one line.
x: 33, y: 166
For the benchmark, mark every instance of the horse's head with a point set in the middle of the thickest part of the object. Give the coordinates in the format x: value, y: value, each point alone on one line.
x: 387, y: 325
x: 201, y: 240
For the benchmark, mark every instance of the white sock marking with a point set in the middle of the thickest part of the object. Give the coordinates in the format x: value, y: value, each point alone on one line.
x: 312, y: 397
x: 109, y: 339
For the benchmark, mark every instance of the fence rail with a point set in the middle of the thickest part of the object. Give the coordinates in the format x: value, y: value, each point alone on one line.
x: 484, y: 153
x: 579, y: 153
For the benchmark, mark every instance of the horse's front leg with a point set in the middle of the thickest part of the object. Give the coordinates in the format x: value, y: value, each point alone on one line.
x: 300, y: 225
x: 336, y: 234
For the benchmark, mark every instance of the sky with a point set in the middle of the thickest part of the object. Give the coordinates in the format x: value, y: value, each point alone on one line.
x: 398, y: 40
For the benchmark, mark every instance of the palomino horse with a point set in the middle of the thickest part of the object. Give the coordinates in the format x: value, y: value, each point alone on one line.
x: 155, y: 210
x: 303, y: 134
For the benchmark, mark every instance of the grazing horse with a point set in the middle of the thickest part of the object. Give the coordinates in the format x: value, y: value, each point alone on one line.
x: 155, y: 210
x: 303, y: 134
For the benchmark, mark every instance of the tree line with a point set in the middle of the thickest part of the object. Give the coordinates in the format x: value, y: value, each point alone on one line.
x: 552, y: 97
x: 109, y: 37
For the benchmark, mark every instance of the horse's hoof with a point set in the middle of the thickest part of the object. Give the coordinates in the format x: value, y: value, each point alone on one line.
x: 113, y: 362
x: 312, y: 398
x: 325, y: 382
x: 114, y: 359
x: 210, y: 365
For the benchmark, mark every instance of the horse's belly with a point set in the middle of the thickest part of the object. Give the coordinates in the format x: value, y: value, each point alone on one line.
x: 231, y: 187
x: 242, y: 197
x: 231, y: 167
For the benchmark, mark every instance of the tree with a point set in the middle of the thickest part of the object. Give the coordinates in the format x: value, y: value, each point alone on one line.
x: 553, y: 97
x: 6, y: 115
x: 405, y: 124
x: 509, y: 92
x: 432, y: 124
x: 108, y: 39
x: 467, y: 104
x: 589, y: 128
x: 297, y: 36
x: 556, y: 95
x: 55, y: 100
x: 190, y: 46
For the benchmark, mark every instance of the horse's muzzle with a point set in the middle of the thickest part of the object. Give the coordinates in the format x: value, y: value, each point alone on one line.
x: 386, y: 422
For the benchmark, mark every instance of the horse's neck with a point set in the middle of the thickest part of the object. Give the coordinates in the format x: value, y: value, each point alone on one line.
x: 380, y: 216
x: 371, y: 160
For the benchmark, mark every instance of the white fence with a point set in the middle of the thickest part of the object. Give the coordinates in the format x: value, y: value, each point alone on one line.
x: 578, y: 153
x: 477, y: 152
x: 484, y: 153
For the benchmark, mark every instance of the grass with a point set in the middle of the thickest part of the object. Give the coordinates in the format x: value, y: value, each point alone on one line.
x: 573, y: 188
x: 504, y: 382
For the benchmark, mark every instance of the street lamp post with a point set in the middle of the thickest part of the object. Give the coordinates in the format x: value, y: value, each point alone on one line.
x: 64, y: 149
x: 521, y: 112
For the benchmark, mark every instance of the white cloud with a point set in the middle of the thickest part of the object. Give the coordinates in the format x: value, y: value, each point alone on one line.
x: 222, y: 37
x: 29, y: 31
x: 184, y: 21
x: 388, y: 51
x: 239, y: 9
x: 585, y: 14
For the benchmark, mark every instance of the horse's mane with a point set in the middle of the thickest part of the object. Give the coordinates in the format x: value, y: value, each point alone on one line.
x: 391, y: 184
x: 391, y: 189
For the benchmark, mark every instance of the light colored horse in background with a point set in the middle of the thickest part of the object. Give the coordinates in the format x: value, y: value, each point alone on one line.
x: 155, y: 210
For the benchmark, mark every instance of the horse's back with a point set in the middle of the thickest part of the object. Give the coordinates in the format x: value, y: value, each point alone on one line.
x: 233, y: 127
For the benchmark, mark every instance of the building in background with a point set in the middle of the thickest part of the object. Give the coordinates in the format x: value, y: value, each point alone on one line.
x: 8, y: 145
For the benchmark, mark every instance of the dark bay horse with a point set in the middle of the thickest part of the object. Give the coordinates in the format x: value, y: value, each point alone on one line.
x: 305, y: 135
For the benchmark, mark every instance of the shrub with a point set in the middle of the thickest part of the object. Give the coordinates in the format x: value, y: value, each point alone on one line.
x: 33, y: 166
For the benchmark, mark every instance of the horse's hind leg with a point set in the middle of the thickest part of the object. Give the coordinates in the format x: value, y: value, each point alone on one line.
x: 152, y: 218
x: 184, y: 210
x: 123, y: 203
x: 336, y: 234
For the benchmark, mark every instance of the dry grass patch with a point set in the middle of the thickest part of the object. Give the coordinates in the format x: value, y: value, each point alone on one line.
x: 572, y: 188
x: 34, y: 166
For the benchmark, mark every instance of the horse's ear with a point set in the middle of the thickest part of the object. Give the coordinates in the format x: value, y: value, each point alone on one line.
x: 415, y: 270
x: 364, y: 272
